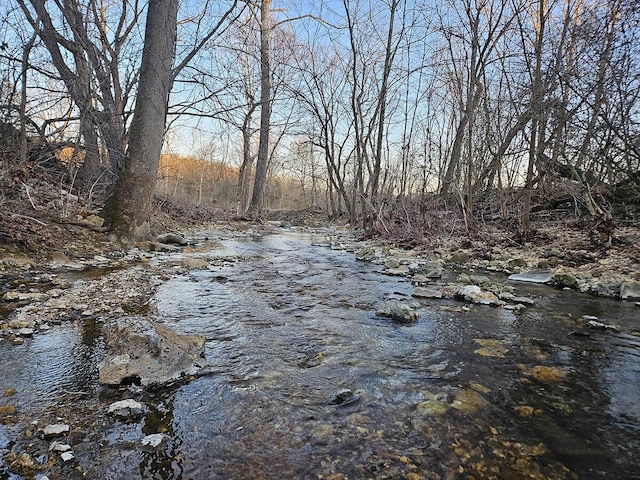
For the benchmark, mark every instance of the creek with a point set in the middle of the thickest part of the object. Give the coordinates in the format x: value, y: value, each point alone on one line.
x: 307, y: 382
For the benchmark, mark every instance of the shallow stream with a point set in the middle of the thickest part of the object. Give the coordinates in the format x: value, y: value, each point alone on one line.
x: 307, y: 382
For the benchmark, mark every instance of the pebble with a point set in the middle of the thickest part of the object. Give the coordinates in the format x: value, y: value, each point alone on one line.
x: 67, y: 456
x: 59, y: 447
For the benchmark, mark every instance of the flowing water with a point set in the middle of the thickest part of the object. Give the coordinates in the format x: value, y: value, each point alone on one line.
x: 307, y: 382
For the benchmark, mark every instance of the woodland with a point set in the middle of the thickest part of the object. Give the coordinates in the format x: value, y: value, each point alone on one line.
x: 399, y: 117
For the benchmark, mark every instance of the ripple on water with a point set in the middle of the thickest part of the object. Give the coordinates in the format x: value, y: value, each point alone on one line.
x: 61, y: 360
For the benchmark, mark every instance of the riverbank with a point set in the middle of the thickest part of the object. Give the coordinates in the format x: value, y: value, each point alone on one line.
x: 92, y: 276
x: 562, y: 250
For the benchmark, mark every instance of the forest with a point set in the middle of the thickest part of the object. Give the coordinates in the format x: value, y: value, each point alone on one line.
x: 378, y: 112
x: 319, y: 239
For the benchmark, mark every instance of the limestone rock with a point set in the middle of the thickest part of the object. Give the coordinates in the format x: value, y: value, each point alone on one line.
x: 517, y: 262
x: 392, y: 263
x: 474, y: 294
x: 398, y: 311
x: 67, y: 456
x: 630, y: 290
x: 507, y: 296
x: 26, y: 296
x: 460, y: 257
x: 154, y: 440
x: 144, y: 352
x: 426, y: 292
x: 366, y: 254
x: 59, y: 447
x: 428, y: 269
x: 531, y: 277
x: 171, y: 238
x: 465, y: 279
x: 401, y: 271
x: 55, y: 430
x: 606, y: 289
x: 126, y: 408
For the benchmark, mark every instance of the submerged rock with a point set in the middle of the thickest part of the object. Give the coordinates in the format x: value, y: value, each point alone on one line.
x: 143, y: 352
x: 434, y: 404
x: 154, y: 441
x: 491, y: 347
x: 128, y: 408
x: 344, y: 397
x: 543, y: 373
x: 398, y: 311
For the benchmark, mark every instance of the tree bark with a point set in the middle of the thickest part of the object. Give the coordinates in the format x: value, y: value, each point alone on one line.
x: 244, y: 174
x: 259, y: 184
x: 128, y: 210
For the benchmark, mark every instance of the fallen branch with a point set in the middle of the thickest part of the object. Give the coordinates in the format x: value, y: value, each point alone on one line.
x: 26, y: 217
x: 79, y: 223
x: 29, y: 195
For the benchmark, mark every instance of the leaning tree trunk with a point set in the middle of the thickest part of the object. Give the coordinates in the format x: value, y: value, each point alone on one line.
x: 128, y: 210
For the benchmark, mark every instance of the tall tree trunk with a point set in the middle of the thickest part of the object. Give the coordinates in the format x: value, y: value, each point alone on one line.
x: 536, y: 119
x: 259, y: 184
x: 390, y: 52
x: 128, y: 210
x: 244, y: 174
x: 26, y: 51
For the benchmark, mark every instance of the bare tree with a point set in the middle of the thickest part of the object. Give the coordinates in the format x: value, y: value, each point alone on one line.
x: 83, y: 63
x: 262, y: 162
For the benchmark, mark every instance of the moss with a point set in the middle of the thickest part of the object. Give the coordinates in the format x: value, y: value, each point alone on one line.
x: 564, y: 280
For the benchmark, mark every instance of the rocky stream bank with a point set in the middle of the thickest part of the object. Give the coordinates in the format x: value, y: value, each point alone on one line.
x: 108, y: 281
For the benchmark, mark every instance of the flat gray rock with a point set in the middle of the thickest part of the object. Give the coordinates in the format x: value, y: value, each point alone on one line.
x: 531, y: 277
x: 144, y: 352
x: 55, y: 429
x: 427, y: 292
x: 630, y: 290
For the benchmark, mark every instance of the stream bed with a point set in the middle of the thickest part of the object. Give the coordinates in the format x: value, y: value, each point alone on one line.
x: 306, y: 382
